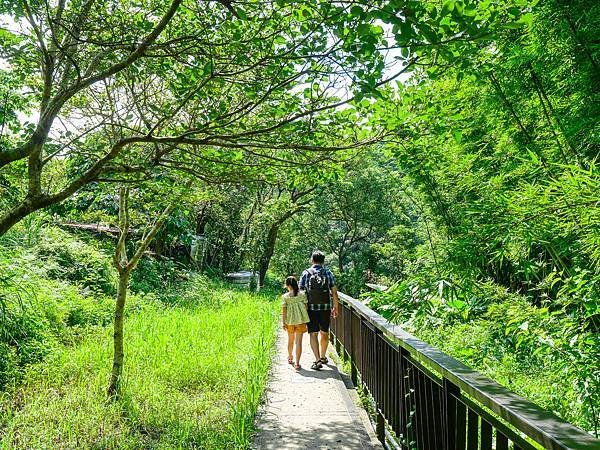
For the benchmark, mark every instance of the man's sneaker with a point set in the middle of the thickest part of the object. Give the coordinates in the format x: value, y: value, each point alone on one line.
x: 317, y: 365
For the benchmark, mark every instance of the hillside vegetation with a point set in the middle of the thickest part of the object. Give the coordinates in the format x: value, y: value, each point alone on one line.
x: 447, y: 149
x: 197, y: 355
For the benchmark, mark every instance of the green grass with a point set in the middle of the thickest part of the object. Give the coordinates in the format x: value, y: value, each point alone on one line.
x: 194, y: 374
x: 197, y: 353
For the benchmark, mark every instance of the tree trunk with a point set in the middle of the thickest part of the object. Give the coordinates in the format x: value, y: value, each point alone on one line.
x: 549, y: 113
x: 118, y: 355
x: 265, y: 259
x: 511, y: 110
x: 125, y: 266
x: 341, y: 262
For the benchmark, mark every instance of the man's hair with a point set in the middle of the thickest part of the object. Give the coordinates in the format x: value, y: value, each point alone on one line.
x: 318, y: 257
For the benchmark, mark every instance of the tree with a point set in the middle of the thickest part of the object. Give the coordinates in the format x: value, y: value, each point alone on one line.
x: 356, y: 210
x: 170, y: 86
x: 124, y: 266
x: 157, y: 85
x: 352, y: 217
x: 173, y: 192
x: 503, y: 154
x: 295, y: 201
x: 481, y: 145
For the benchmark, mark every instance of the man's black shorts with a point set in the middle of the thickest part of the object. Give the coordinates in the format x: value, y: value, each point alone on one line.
x: 319, y: 320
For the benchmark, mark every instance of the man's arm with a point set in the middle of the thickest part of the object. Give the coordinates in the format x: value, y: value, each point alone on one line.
x: 334, y: 293
x: 336, y: 302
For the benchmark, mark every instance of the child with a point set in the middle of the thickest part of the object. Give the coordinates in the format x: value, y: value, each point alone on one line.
x: 295, y: 318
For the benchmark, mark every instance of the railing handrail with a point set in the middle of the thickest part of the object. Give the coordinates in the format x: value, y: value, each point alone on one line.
x: 541, y: 425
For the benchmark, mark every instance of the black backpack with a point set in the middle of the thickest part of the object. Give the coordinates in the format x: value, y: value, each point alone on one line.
x: 317, y: 288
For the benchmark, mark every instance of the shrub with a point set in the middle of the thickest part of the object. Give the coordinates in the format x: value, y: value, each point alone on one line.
x: 153, y: 275
x: 352, y: 281
x: 68, y: 258
x: 37, y: 312
x: 546, y: 356
x: 25, y: 335
x: 90, y: 311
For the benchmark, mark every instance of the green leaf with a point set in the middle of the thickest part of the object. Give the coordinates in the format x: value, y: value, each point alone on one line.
x: 364, y: 29
x: 526, y: 19
x: 241, y: 13
x: 429, y: 33
x: 533, y: 157
x: 470, y: 11
x: 448, y: 6
x: 357, y: 11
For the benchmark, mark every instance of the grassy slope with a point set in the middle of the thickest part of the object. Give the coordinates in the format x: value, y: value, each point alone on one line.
x: 196, y: 358
x: 541, y: 382
x: 193, y: 379
x: 542, y: 356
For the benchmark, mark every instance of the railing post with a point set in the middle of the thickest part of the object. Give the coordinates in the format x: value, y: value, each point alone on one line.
x: 347, y: 334
x: 378, y: 378
x: 353, y: 373
x: 353, y: 356
x: 336, y: 334
x: 404, y: 408
x: 451, y: 391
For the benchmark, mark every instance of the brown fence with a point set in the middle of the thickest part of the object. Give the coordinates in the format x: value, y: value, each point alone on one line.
x: 427, y: 400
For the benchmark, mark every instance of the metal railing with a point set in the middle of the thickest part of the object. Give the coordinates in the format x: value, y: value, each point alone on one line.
x: 431, y: 401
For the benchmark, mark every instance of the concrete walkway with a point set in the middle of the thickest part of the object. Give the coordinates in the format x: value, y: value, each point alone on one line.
x: 311, y: 409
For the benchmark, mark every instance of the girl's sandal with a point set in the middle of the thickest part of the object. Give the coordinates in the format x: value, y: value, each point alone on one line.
x: 297, y: 367
x: 290, y: 360
x: 324, y: 360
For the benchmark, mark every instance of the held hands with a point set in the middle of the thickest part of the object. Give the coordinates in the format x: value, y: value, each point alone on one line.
x: 334, y: 312
x: 284, y: 326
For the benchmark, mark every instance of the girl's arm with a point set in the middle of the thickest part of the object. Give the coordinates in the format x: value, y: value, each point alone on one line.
x: 284, y: 317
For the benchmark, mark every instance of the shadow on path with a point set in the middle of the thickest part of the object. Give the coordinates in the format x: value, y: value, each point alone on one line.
x: 310, y: 409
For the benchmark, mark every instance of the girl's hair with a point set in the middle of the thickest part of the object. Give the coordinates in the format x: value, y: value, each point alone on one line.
x: 291, y: 281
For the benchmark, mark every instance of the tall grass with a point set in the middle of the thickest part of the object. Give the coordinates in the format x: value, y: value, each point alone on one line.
x: 244, y: 409
x: 39, y: 312
x: 194, y: 374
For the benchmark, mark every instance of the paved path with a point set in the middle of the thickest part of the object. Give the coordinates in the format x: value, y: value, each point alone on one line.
x: 310, y: 409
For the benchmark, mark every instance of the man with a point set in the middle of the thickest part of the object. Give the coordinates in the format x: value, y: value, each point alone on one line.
x: 319, y: 284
